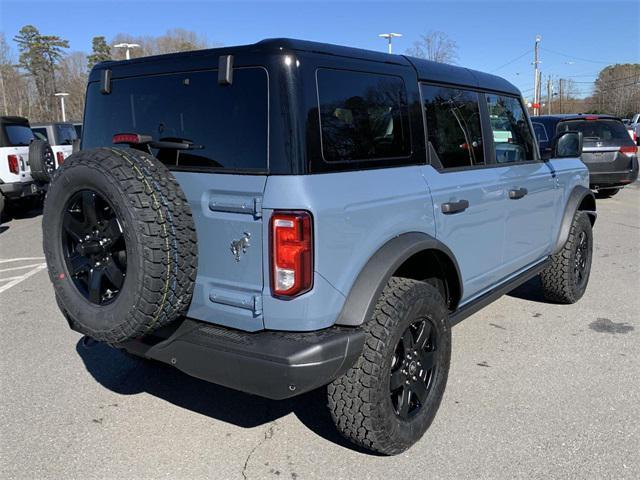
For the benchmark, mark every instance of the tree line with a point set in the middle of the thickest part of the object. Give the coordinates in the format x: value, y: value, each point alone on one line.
x: 40, y: 65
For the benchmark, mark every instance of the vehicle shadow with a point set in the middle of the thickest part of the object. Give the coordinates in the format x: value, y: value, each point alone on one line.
x: 530, y: 290
x: 128, y: 375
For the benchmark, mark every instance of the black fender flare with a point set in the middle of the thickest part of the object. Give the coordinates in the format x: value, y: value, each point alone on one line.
x: 576, y: 197
x: 373, y: 277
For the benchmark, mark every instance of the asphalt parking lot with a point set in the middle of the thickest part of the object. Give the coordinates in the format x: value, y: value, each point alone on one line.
x: 535, y: 390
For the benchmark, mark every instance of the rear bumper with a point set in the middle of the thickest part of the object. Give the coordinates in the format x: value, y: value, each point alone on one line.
x: 600, y: 179
x: 271, y: 364
x: 17, y: 190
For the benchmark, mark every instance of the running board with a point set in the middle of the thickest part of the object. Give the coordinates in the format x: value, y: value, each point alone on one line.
x: 492, y: 295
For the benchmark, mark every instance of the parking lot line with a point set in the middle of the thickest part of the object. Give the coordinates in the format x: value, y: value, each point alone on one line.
x: 22, y: 278
x: 8, y: 260
x: 22, y: 267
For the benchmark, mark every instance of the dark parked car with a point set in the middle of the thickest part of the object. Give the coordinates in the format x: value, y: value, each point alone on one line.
x: 608, y: 151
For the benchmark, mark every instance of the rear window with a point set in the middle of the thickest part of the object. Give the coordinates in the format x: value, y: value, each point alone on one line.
x: 594, y: 131
x: 18, y: 135
x: 227, y: 124
x: 66, y: 134
x: 363, y: 116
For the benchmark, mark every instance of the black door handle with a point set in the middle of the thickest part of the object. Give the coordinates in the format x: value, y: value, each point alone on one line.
x: 454, y: 207
x: 517, y: 193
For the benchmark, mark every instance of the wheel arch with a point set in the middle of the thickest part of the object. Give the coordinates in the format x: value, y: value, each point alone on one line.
x: 411, y: 255
x: 580, y: 199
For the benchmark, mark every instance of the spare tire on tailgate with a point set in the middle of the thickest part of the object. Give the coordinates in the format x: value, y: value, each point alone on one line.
x: 120, y: 243
x: 42, y: 162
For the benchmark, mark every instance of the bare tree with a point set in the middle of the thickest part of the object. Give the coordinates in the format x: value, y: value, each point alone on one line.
x: 72, y: 78
x: 436, y: 46
x: 617, y: 89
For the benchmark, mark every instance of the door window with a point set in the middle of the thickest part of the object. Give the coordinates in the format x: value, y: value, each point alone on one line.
x: 512, y: 136
x: 453, y: 126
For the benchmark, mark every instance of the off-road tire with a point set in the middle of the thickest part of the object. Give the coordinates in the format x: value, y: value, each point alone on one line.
x: 359, y: 400
x: 2, y: 204
x: 157, y: 228
x: 42, y: 161
x: 607, y: 192
x: 559, y: 281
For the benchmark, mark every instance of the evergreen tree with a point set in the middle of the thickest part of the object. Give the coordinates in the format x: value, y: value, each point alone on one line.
x: 100, y: 52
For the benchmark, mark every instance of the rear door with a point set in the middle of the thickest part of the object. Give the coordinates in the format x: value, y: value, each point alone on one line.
x: 530, y: 183
x: 222, y: 170
x: 468, y: 197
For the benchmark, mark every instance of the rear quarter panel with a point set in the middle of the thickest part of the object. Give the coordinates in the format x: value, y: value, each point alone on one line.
x: 355, y: 214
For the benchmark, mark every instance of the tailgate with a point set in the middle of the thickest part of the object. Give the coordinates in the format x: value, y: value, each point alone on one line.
x: 24, y: 172
x: 227, y: 211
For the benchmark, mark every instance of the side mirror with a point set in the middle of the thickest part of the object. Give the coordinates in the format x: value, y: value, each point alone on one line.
x: 568, y: 145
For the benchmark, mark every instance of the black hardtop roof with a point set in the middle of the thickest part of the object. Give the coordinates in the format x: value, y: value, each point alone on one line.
x: 4, y: 120
x: 574, y: 116
x: 426, y: 70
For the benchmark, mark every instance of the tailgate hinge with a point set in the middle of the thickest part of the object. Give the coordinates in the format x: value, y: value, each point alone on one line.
x: 257, y: 207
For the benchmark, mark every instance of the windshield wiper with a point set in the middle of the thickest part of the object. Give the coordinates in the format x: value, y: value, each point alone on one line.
x: 135, y: 140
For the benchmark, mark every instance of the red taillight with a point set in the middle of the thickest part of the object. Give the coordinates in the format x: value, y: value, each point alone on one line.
x: 628, y: 150
x: 60, y: 157
x: 13, y: 164
x: 591, y: 117
x: 291, y: 253
x: 126, y: 138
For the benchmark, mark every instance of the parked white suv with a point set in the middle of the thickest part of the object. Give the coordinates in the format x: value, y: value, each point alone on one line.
x: 60, y: 135
x: 635, y: 124
x: 16, y: 182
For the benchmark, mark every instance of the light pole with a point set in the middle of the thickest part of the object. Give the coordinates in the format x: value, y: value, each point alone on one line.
x: 128, y: 47
x: 389, y: 37
x: 62, y: 95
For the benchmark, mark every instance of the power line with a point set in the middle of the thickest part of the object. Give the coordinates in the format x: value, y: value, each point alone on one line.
x: 512, y: 61
x: 574, y: 57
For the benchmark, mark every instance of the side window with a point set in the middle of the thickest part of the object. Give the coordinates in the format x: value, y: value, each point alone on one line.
x: 40, y: 133
x: 541, y: 133
x: 453, y: 126
x: 512, y: 136
x: 363, y: 116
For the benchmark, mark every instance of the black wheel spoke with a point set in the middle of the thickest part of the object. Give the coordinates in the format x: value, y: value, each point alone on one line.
x: 74, y: 228
x: 407, y: 340
x: 427, y: 359
x: 114, y: 274
x: 78, y: 264
x: 423, y: 336
x: 95, y: 285
x: 404, y: 402
x: 89, y: 208
x: 419, y: 388
x: 112, y: 231
x: 397, y: 380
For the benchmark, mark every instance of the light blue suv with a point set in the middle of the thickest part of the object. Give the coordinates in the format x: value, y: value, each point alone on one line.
x: 290, y: 215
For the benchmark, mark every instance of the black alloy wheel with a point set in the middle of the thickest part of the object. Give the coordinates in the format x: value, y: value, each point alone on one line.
x: 413, y: 368
x: 581, y: 258
x: 93, y: 247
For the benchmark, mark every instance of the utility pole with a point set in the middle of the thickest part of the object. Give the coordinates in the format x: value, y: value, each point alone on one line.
x: 389, y: 37
x: 4, y: 94
x: 549, y: 94
x: 561, y: 85
x: 536, y: 77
